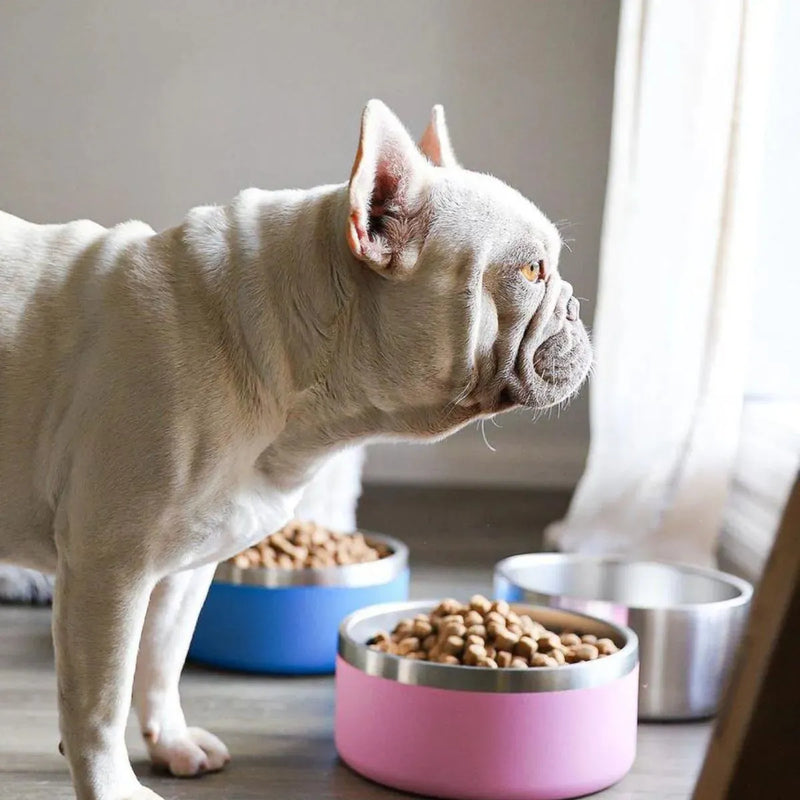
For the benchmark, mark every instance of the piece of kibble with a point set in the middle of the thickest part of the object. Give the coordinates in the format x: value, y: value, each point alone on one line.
x: 318, y: 537
x: 447, y: 659
x: 537, y: 630
x: 548, y: 642
x: 480, y: 604
x: 422, y: 628
x: 447, y: 607
x: 585, y: 652
x: 505, y: 640
x: 558, y: 655
x: 525, y: 647
x: 504, y: 659
x: 570, y: 639
x: 473, y: 639
x: 487, y: 662
x: 519, y: 663
x: 501, y: 607
x: 606, y: 647
x: 408, y: 645
x: 493, y: 628
x: 542, y: 660
x: 526, y: 622
x: 494, y: 617
x: 453, y: 645
x: 589, y: 638
x: 474, y: 653
x: 477, y: 630
x: 473, y: 617
x: 454, y: 629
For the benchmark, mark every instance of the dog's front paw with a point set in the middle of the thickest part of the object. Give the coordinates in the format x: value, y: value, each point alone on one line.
x: 192, y: 752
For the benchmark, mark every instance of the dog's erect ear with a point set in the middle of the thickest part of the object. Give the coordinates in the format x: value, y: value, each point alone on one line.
x: 385, y: 187
x: 435, y: 142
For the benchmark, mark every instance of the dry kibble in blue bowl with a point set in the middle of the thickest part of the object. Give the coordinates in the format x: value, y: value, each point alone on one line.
x: 303, y: 578
x: 304, y: 545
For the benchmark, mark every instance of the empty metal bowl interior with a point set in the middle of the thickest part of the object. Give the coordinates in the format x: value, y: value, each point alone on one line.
x: 356, y: 630
x: 634, y: 584
x: 689, y: 620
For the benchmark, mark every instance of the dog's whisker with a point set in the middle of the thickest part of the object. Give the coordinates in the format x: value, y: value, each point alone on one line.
x: 485, y: 440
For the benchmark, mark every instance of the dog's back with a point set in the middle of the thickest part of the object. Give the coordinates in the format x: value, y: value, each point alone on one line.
x: 43, y: 271
x: 36, y: 256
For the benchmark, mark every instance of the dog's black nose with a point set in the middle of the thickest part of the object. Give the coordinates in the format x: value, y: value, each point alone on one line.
x: 573, y: 309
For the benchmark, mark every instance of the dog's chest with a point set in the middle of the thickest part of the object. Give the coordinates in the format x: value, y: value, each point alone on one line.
x: 238, y: 518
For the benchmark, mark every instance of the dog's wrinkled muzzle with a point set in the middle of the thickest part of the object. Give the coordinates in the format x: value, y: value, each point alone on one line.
x: 555, y: 356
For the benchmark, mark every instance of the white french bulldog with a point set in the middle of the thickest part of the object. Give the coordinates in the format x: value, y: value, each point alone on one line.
x: 164, y: 397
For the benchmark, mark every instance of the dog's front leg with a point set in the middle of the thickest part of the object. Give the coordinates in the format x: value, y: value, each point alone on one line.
x: 98, y: 611
x: 171, y: 617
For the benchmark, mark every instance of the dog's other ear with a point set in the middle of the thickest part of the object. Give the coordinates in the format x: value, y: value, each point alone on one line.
x: 435, y: 142
x: 385, y: 187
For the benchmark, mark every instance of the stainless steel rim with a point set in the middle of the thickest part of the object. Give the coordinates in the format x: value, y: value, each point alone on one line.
x: 356, y: 629
x: 505, y: 570
x: 349, y: 575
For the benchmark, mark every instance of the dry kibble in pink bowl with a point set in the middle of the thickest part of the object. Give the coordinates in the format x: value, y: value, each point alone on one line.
x: 402, y: 701
x: 443, y: 631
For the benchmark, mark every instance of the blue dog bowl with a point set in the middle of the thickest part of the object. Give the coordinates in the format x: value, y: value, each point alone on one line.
x: 286, y: 621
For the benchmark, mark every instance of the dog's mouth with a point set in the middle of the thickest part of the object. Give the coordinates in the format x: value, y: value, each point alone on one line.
x: 550, y: 370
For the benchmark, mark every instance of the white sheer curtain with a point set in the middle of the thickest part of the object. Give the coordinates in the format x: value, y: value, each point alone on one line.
x: 679, y: 261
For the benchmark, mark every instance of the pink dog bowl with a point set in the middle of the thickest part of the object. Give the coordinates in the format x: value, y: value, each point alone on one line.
x: 472, y: 733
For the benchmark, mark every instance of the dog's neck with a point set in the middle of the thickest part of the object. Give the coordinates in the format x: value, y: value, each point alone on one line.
x: 303, y: 317
x: 294, y: 314
x: 293, y: 276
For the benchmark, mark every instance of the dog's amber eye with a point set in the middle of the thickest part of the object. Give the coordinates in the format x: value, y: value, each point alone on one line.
x: 534, y: 272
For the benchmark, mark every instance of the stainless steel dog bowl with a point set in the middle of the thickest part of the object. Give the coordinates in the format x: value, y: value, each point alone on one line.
x: 689, y: 620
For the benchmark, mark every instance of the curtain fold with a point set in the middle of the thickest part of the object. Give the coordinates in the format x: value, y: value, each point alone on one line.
x: 677, y: 265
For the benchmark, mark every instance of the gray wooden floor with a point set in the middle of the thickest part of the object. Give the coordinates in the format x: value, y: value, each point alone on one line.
x: 279, y: 730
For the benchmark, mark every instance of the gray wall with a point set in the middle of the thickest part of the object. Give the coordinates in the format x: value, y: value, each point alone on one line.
x: 113, y: 110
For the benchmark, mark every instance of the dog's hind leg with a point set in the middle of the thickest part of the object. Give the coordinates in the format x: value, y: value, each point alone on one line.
x: 171, y: 617
x: 98, y: 612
